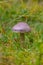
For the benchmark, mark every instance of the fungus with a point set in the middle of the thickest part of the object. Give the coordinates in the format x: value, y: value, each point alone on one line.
x: 21, y: 28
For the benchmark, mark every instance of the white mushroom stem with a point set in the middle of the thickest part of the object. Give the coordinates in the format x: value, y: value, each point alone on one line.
x: 22, y: 39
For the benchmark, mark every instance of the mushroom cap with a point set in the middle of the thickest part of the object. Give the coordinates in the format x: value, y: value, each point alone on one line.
x: 21, y: 27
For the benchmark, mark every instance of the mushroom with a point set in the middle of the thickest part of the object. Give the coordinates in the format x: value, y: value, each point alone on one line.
x: 21, y: 27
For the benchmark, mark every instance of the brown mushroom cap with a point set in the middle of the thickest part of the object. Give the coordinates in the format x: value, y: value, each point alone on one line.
x: 21, y: 27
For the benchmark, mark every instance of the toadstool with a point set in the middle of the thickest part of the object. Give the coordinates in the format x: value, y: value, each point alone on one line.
x: 21, y: 27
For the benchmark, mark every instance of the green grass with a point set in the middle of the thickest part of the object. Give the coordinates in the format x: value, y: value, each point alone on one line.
x: 11, y: 53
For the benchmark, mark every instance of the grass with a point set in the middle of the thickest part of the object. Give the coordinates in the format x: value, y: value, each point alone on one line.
x: 11, y: 53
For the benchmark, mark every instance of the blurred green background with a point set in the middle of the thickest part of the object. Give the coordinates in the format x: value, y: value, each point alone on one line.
x: 12, y: 12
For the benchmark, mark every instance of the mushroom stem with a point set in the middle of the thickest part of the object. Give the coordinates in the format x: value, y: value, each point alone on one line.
x: 22, y: 39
